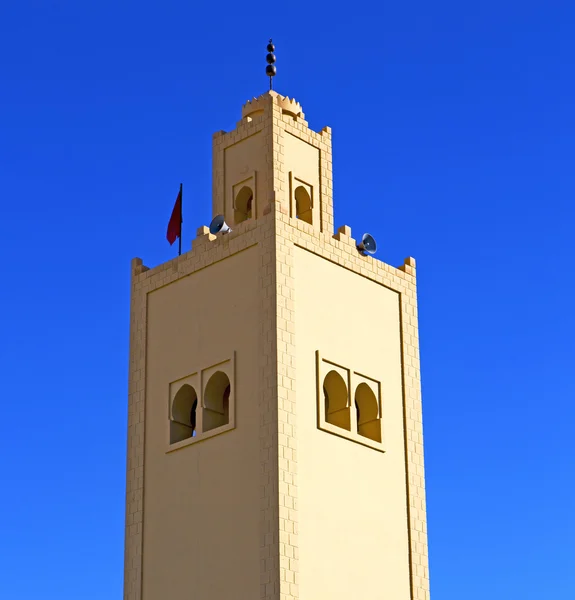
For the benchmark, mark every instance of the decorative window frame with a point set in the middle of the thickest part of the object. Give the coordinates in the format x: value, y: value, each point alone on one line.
x: 199, y: 380
x: 353, y: 379
x: 251, y: 182
x: 295, y: 182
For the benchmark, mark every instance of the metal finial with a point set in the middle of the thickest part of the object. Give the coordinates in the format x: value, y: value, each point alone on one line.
x: 271, y: 59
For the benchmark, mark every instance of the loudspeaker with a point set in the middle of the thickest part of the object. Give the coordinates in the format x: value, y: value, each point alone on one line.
x: 368, y: 245
x: 218, y: 225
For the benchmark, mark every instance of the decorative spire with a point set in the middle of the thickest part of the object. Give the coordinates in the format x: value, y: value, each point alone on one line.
x: 271, y: 58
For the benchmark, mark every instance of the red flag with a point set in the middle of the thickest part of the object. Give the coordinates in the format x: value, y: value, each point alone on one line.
x: 175, y: 224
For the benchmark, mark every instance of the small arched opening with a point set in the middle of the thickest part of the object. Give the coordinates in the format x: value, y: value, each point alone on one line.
x: 367, y: 410
x: 184, y: 412
x: 336, y: 400
x: 243, y: 204
x: 216, y: 401
x: 303, y: 209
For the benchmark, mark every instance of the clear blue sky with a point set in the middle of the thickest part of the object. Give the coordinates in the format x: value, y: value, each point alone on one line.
x: 454, y: 142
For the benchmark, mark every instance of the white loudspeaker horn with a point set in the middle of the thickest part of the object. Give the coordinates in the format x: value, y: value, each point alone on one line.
x: 367, y: 245
x: 219, y: 225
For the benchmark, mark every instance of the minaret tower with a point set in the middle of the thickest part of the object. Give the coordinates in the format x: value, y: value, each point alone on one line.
x: 275, y: 445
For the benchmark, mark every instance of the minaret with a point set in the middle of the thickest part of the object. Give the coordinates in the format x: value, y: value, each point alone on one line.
x: 275, y: 444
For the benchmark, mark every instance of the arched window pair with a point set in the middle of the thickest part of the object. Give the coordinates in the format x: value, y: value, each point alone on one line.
x: 243, y: 204
x: 215, y: 411
x: 337, y: 409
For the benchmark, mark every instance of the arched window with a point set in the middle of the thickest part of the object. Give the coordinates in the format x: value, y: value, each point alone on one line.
x: 243, y: 204
x: 303, y: 204
x: 216, y: 401
x: 336, y: 400
x: 367, y: 410
x: 184, y: 407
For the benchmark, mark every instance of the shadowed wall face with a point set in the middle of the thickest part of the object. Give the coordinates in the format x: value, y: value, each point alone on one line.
x: 201, y: 500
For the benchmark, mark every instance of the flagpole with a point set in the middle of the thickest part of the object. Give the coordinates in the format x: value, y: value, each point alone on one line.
x: 181, y: 221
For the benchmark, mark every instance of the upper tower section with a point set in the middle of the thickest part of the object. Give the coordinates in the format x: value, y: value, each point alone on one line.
x: 272, y: 160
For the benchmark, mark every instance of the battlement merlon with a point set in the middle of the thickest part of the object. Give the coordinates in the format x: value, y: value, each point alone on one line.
x: 340, y: 248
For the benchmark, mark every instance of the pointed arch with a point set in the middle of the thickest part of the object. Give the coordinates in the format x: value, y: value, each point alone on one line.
x: 303, y: 207
x: 336, y: 398
x: 216, y: 410
x: 184, y: 414
x: 367, y: 410
x: 243, y: 203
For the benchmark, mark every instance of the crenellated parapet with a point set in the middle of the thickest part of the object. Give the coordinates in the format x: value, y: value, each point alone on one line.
x: 288, y: 106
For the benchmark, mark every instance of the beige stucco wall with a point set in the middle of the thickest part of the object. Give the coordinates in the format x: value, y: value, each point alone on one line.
x: 201, y: 518
x: 302, y: 162
x: 353, y: 539
x: 245, y: 161
x: 334, y: 519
